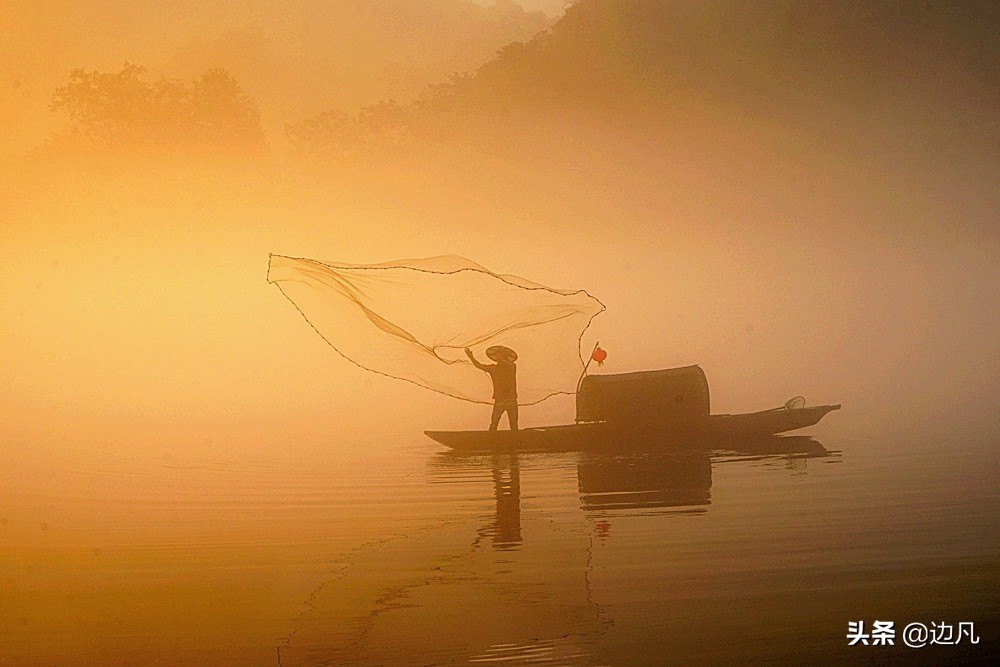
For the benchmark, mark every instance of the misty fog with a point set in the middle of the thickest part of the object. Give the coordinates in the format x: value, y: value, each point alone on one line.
x: 802, y: 200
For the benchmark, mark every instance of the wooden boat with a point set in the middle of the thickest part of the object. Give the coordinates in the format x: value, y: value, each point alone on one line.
x: 720, y: 430
x: 650, y: 409
x: 567, y: 437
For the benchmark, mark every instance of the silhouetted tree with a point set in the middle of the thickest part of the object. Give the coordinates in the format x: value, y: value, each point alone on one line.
x: 122, y: 111
x: 221, y: 113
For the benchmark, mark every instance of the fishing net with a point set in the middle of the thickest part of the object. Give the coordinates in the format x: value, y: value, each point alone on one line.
x: 413, y: 319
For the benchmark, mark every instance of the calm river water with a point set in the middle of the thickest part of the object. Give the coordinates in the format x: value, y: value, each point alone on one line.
x: 412, y: 555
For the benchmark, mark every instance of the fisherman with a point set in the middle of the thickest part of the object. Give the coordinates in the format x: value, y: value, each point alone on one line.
x: 504, y: 376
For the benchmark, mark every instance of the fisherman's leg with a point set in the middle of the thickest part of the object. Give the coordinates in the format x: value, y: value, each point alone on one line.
x: 512, y: 415
x: 495, y: 417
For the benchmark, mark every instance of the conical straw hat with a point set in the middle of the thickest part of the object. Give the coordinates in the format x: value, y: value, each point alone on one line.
x: 501, y: 353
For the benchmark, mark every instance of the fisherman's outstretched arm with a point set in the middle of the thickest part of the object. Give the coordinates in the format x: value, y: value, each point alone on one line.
x: 478, y: 365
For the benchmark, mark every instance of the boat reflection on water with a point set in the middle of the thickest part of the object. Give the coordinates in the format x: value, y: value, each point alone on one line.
x: 681, y: 480
x: 645, y: 480
x: 795, y: 447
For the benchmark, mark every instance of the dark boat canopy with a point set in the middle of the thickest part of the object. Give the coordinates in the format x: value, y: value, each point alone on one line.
x: 673, y: 396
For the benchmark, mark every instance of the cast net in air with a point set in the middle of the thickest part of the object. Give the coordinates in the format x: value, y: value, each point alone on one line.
x: 413, y: 319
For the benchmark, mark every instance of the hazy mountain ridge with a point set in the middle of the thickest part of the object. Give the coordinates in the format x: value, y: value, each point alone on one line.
x: 759, y: 54
x: 876, y: 66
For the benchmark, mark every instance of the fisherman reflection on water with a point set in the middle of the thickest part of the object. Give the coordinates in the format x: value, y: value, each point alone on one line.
x: 504, y: 376
x: 506, y: 528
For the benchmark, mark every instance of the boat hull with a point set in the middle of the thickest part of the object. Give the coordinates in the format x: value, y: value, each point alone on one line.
x: 768, y: 422
x: 716, y: 431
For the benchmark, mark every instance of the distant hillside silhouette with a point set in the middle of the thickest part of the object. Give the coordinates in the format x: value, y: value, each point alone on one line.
x: 787, y: 59
x: 756, y: 54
